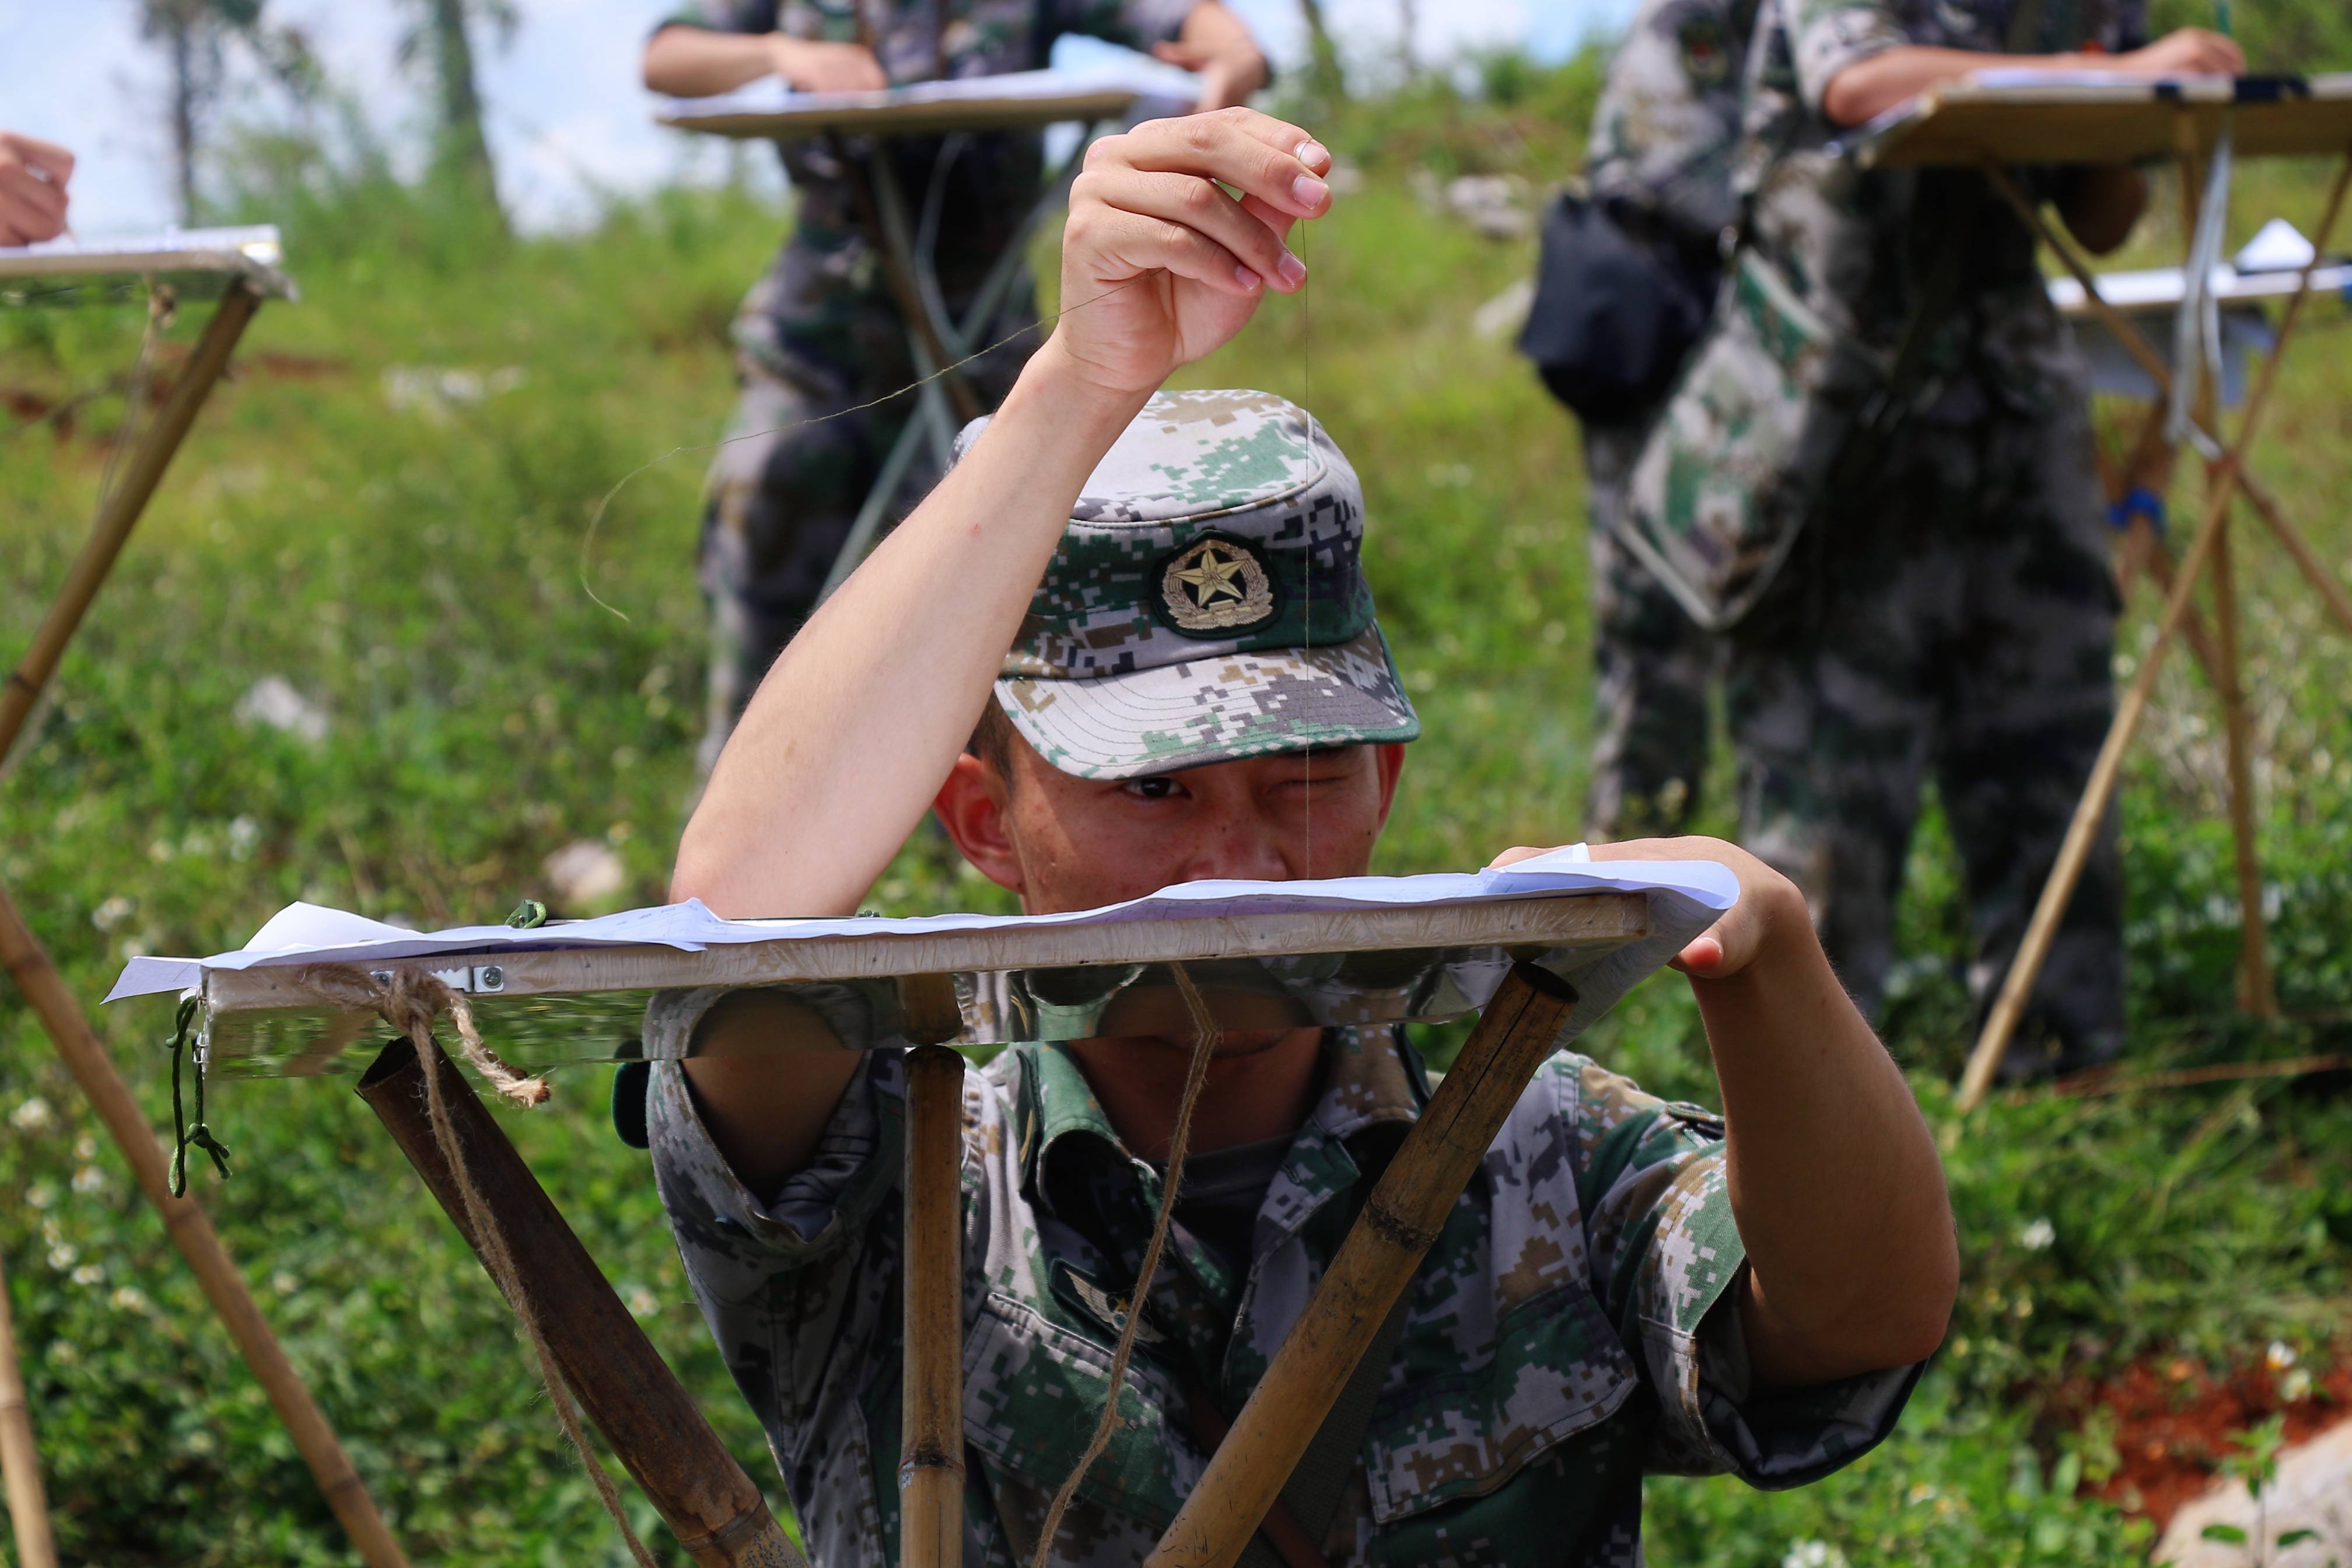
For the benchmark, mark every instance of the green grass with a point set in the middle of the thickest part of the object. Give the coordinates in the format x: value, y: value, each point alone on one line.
x: 421, y: 582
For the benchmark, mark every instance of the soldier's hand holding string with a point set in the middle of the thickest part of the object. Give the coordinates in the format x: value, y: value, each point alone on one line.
x: 1162, y: 261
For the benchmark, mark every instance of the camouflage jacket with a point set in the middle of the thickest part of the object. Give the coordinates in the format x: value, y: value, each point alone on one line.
x: 800, y: 319
x: 1572, y: 1327
x: 1668, y: 120
x: 1862, y: 248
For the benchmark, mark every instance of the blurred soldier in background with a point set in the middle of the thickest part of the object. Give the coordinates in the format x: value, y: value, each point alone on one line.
x: 1949, y: 608
x: 820, y: 332
x: 1659, y: 166
x: 33, y: 176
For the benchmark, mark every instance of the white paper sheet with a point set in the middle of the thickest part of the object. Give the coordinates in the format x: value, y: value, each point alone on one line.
x: 1685, y: 896
x: 769, y: 95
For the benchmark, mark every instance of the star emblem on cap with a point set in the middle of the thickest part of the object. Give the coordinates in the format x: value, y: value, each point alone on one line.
x: 1216, y: 584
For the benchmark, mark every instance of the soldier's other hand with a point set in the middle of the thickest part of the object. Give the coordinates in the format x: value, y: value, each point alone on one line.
x: 1228, y: 74
x: 2190, y: 51
x: 1160, y: 264
x: 809, y: 65
x: 33, y: 176
x: 1770, y: 910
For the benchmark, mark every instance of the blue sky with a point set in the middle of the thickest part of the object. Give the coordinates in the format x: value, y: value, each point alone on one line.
x: 567, y: 113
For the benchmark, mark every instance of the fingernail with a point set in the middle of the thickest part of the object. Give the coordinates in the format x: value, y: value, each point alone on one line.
x: 1293, y: 271
x: 1314, y: 154
x: 1245, y: 277
x: 1308, y: 190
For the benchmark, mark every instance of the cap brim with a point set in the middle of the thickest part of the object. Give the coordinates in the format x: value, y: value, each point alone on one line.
x: 1217, y: 709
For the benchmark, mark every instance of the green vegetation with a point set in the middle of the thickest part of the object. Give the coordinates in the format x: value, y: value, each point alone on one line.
x: 418, y: 576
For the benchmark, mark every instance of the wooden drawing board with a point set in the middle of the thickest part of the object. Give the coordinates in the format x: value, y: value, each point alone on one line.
x: 196, y: 262
x: 552, y: 1004
x: 2092, y: 118
x: 891, y: 113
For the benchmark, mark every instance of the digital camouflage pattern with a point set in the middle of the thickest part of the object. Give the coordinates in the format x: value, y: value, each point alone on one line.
x: 1652, y: 667
x: 820, y: 332
x: 1668, y: 120
x: 1660, y: 155
x: 1208, y: 600
x: 1572, y: 1329
x: 1949, y: 609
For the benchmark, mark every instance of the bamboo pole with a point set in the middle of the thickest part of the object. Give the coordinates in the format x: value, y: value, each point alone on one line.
x: 191, y: 1232
x: 2010, y: 1006
x: 621, y: 1381
x: 2256, y: 993
x: 2322, y: 580
x: 1375, y: 1264
x: 118, y: 509
x: 20, y: 1463
x: 930, y: 1461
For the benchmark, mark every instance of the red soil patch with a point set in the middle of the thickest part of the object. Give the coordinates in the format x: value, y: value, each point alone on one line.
x: 2174, y: 1420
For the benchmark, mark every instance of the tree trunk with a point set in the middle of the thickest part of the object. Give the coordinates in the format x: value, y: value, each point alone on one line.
x: 463, y: 151
x: 180, y: 30
x: 1323, y: 56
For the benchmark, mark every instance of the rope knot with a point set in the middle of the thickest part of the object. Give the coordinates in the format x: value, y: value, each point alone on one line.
x: 412, y: 999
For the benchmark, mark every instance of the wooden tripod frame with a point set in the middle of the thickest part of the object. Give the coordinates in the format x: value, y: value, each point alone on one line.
x: 2207, y: 551
x: 78, y: 1045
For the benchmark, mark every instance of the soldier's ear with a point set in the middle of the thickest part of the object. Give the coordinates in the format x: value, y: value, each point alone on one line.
x: 973, y: 807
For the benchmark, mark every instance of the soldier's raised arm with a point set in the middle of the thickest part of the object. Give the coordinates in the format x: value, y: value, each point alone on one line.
x: 847, y: 739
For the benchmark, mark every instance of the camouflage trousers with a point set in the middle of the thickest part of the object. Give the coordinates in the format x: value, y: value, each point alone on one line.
x: 1651, y: 668
x: 784, y: 489
x: 1957, y: 621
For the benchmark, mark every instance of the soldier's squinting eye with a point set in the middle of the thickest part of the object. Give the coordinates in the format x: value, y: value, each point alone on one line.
x: 1157, y: 788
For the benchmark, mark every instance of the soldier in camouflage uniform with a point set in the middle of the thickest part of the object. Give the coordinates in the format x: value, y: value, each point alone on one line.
x: 1950, y: 612
x: 821, y: 333
x: 1660, y: 162
x: 1158, y: 601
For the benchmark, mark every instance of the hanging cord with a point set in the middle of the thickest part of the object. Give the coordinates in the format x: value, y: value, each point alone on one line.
x: 184, y: 1136
x: 596, y: 517
x: 410, y: 1000
x: 1204, y: 1027
x: 163, y: 306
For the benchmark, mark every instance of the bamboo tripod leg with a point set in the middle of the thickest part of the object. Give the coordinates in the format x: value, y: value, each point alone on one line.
x: 20, y: 1463
x: 2076, y: 848
x: 2256, y: 994
x: 191, y: 1232
x: 1519, y: 1029
x: 118, y: 512
x: 931, y: 1462
x: 620, y: 1379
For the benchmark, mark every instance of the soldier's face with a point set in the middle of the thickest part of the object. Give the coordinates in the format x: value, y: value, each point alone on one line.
x: 1066, y: 843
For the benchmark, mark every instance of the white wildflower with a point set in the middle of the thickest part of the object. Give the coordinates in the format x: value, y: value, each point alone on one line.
x: 2296, y: 1386
x: 85, y: 1148
x: 285, y: 1284
x: 63, y: 1352
x: 2038, y: 1235
x: 244, y: 833
x: 62, y: 1256
x: 32, y: 1115
x: 89, y: 1274
x: 642, y: 1302
x: 2281, y: 1356
x: 130, y: 1299
x: 1812, y: 1555
x: 40, y: 1196
x: 89, y: 1181
x: 112, y: 913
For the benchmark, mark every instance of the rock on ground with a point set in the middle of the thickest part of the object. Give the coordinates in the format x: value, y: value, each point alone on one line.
x: 2312, y: 1491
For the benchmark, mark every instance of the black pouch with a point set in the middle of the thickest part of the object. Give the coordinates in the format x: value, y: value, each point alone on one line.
x: 1616, y: 311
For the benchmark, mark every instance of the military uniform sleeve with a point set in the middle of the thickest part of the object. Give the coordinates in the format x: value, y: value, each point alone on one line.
x: 721, y: 15
x: 1666, y: 1260
x: 1136, y: 24
x: 1827, y: 36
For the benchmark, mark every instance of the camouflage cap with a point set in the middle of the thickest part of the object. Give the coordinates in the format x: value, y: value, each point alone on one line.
x: 1208, y: 600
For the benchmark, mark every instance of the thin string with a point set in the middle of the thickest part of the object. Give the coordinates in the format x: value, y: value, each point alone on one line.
x: 162, y: 307
x: 1306, y: 391
x: 410, y: 1000
x: 1204, y: 1027
x: 596, y: 519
